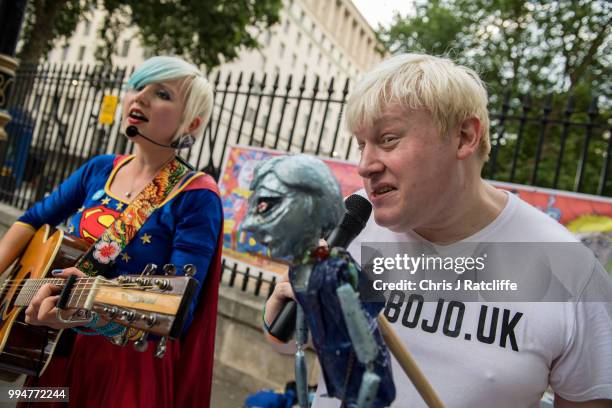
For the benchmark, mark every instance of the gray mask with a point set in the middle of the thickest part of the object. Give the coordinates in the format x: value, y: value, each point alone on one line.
x: 296, y: 201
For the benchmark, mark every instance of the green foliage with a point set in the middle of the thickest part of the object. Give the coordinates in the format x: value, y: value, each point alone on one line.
x: 203, y: 31
x: 527, y: 46
x: 547, y: 50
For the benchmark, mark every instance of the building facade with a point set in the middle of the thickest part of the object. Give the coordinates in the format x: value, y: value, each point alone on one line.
x: 316, y: 41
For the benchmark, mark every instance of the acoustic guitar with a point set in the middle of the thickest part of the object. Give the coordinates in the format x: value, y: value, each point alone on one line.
x: 156, y: 304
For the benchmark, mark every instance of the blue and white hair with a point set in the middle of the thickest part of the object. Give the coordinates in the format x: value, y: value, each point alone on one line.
x: 196, y: 88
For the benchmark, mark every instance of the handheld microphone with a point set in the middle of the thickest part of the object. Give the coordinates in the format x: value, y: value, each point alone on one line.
x: 358, y: 210
x: 184, y: 141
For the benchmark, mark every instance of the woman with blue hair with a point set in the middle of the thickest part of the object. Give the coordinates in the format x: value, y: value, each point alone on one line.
x: 167, y: 107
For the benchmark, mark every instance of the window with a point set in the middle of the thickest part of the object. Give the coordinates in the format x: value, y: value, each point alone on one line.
x: 319, y: 59
x: 126, y: 48
x: 250, y: 114
x: 287, y: 27
x: 293, y: 60
x: 309, y: 49
x: 281, y: 50
x: 69, y: 104
x: 268, y: 37
x: 263, y: 120
x: 302, y: 16
x: 81, y: 53
x: 87, y: 28
x: 65, y: 52
x: 299, y: 39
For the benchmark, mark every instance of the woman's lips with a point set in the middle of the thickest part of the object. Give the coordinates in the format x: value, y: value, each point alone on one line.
x: 134, y: 121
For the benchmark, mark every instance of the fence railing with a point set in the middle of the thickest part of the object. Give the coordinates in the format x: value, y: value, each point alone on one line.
x: 559, y: 142
x: 258, y: 284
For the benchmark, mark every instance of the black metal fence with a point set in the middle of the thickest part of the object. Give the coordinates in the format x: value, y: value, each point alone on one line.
x: 259, y: 284
x: 561, y: 142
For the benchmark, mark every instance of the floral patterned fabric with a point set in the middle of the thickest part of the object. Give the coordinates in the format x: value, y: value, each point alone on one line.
x: 100, y: 258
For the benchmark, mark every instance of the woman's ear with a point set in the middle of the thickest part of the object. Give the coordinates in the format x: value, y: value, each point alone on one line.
x: 194, y: 124
x: 470, y: 134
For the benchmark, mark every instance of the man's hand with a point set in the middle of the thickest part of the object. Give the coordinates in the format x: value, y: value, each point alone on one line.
x: 42, y: 310
x: 281, y: 294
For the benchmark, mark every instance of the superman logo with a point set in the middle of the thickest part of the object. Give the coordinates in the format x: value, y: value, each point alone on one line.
x: 95, y: 221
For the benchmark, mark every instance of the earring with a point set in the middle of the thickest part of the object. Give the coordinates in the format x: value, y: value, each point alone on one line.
x: 184, y: 142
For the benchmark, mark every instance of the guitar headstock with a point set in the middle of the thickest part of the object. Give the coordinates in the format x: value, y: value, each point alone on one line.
x: 156, y: 304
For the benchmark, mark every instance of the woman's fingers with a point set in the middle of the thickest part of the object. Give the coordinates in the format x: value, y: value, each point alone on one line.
x: 65, y: 273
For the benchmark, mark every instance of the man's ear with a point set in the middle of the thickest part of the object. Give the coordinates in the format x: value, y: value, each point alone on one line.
x: 470, y: 134
x: 194, y: 124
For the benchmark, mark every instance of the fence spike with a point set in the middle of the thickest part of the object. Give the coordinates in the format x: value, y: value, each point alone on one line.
x: 330, y: 88
x: 593, y: 108
x: 346, y: 86
x: 569, y: 109
x: 239, y: 82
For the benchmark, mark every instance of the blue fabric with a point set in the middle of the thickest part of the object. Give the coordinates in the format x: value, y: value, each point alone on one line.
x: 341, y: 369
x: 182, y: 231
x: 270, y: 399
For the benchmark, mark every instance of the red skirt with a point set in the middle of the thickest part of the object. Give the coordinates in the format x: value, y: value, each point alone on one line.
x: 101, y: 374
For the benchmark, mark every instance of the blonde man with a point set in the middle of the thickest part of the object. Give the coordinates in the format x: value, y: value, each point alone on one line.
x: 421, y: 123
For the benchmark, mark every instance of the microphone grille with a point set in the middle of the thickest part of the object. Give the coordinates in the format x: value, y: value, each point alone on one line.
x: 131, y: 131
x: 359, y: 206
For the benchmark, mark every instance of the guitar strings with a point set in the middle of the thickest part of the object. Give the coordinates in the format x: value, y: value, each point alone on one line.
x: 87, y: 286
x: 34, y: 282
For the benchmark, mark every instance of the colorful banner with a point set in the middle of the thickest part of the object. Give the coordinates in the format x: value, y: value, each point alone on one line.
x: 587, y: 216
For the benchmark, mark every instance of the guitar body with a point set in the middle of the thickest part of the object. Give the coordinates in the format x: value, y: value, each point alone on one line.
x: 27, y: 349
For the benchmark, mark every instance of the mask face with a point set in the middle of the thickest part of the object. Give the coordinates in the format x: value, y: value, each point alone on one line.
x: 281, y: 218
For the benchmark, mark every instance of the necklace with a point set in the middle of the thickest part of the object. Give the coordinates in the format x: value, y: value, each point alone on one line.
x: 128, y: 194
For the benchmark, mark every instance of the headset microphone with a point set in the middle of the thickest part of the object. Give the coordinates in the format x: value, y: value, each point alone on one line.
x: 184, y: 141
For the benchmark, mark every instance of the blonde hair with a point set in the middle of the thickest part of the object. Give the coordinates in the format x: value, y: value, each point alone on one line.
x: 451, y: 93
x: 197, y: 90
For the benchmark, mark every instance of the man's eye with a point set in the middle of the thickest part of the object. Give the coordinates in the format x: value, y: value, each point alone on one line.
x: 265, y: 204
x: 388, y: 139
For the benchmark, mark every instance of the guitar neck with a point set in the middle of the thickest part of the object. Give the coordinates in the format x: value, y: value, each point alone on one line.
x: 77, y: 299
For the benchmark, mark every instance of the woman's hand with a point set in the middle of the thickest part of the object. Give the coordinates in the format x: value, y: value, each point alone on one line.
x: 42, y: 310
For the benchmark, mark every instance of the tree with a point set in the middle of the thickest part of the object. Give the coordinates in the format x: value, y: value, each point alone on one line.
x: 531, y: 54
x: 521, y: 45
x: 203, y: 31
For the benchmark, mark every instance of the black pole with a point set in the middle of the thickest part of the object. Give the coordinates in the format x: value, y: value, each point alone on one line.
x: 12, y: 13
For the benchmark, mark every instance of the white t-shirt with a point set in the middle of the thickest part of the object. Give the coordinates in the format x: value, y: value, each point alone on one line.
x: 565, y: 344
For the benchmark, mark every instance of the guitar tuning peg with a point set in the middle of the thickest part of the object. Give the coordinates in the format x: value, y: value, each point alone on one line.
x: 110, y: 312
x: 141, y: 344
x: 121, y: 339
x: 169, y: 269
x: 161, y: 347
x: 190, y: 270
x: 149, y: 269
